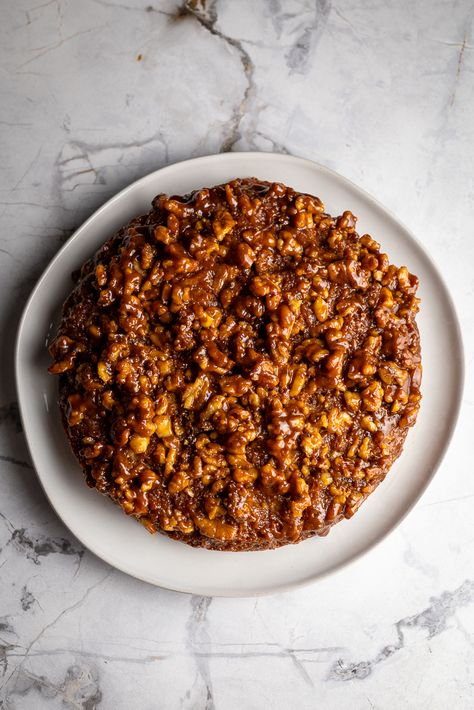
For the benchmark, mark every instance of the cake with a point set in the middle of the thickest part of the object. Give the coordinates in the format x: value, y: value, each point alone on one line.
x: 238, y: 369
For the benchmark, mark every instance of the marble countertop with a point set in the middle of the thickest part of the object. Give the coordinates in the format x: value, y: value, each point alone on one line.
x: 94, y: 94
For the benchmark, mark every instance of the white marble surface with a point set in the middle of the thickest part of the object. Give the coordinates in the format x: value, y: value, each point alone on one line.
x: 97, y: 93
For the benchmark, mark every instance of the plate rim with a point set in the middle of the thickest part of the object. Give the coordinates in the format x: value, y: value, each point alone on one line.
x: 460, y: 380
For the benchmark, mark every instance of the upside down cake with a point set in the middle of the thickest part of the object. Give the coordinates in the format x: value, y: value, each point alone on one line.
x: 238, y: 369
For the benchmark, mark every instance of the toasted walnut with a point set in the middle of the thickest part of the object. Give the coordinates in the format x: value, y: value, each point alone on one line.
x: 321, y: 309
x: 223, y: 224
x: 139, y: 444
x: 314, y: 352
x: 390, y: 372
x: 163, y: 426
x: 364, y: 449
x: 196, y: 391
x: 215, y: 528
x: 372, y: 397
x: 338, y: 421
x: 302, y: 499
x: 299, y: 380
x: 352, y: 400
x: 368, y: 424
x: 178, y: 482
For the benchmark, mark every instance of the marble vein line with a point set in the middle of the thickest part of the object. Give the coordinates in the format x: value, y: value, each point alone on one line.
x: 197, y: 651
x: 458, y: 69
x: 79, y: 690
x: 207, y: 16
x: 446, y: 116
x: 21, y: 178
x: 42, y: 546
x: 16, y: 462
x: 432, y: 620
x: 65, y: 611
x: 130, y: 8
x: 42, y: 51
x: 300, y: 54
x: 197, y: 631
x: 77, y: 158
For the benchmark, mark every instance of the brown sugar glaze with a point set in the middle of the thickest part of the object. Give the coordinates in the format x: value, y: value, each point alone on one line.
x: 238, y: 369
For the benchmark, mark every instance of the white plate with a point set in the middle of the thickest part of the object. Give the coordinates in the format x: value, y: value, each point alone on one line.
x: 104, y: 529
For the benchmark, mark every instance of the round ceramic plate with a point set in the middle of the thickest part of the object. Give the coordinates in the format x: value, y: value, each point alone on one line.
x: 104, y: 529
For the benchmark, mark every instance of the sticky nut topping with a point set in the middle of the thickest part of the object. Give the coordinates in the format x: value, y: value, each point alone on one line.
x: 238, y: 369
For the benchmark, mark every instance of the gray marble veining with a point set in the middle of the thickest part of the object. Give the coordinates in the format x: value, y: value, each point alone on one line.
x: 97, y: 93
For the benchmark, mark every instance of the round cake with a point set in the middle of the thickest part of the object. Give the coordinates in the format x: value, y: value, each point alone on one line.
x: 238, y: 369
